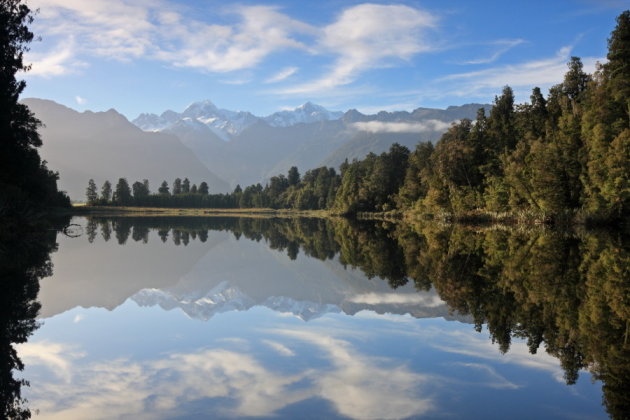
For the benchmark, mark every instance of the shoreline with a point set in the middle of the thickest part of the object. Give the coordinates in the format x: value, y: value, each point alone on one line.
x: 78, y: 210
x: 472, y: 218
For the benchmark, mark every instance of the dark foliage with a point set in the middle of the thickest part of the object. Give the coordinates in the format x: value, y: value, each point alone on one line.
x: 27, y: 186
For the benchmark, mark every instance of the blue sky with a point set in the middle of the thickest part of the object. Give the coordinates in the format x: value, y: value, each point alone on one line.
x: 262, y: 56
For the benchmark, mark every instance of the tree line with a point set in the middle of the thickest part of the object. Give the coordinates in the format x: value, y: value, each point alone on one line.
x: 182, y: 194
x: 566, y: 155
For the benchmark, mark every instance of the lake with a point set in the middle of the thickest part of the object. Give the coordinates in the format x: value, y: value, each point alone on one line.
x: 218, y: 317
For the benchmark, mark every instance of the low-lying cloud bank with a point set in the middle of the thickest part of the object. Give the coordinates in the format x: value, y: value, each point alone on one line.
x: 402, y: 127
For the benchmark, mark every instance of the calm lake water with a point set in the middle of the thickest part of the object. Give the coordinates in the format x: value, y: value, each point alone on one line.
x: 186, y: 318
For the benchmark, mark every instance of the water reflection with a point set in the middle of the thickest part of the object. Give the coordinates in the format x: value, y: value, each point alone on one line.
x: 24, y: 260
x: 566, y: 292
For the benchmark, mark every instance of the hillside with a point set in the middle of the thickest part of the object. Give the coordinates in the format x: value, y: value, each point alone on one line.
x: 106, y: 146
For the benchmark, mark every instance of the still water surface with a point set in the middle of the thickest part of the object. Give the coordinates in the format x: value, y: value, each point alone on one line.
x: 185, y: 318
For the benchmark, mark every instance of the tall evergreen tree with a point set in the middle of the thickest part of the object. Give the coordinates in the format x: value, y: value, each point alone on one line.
x: 90, y: 193
x: 177, y: 186
x: 294, y: 176
x: 106, y: 191
x: 186, y: 186
x: 203, y: 188
x: 122, y: 193
x: 163, y: 188
x: 140, y: 191
x: 25, y: 181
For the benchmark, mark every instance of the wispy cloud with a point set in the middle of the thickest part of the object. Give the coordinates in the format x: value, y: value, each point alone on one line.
x: 56, y: 357
x: 362, y: 37
x: 372, y: 298
x: 59, y: 61
x: 369, y: 36
x: 359, y: 386
x: 504, y: 46
x: 78, y: 317
x: 81, y: 101
x: 236, y: 82
x: 282, y: 75
x: 363, y: 387
x: 542, y: 73
x: 125, y: 30
x: 279, y: 347
x: 495, y: 379
x: 401, y: 127
x: 518, y: 354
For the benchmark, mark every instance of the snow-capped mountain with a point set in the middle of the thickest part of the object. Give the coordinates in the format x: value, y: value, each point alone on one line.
x: 221, y: 121
x: 307, y: 113
x: 153, y: 122
x: 225, y: 298
x: 227, y: 124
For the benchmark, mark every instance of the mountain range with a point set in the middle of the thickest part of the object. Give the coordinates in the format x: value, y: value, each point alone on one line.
x: 106, y: 146
x: 244, y: 149
x: 222, y: 147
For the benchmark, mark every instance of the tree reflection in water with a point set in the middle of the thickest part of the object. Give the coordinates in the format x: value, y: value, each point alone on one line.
x: 24, y: 260
x: 566, y: 291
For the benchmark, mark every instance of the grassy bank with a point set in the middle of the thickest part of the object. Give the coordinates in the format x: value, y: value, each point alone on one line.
x: 567, y: 219
x: 162, y: 211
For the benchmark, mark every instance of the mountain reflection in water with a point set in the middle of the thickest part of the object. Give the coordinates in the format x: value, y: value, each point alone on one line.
x: 566, y: 292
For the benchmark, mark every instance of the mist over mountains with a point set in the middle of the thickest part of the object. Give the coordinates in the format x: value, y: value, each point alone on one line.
x: 106, y: 146
x: 219, y: 146
x: 245, y: 149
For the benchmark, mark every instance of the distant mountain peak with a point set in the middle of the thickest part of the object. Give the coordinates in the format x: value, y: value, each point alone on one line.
x: 309, y: 105
x: 201, y: 108
x: 305, y: 113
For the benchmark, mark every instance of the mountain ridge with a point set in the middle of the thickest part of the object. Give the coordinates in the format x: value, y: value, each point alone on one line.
x: 308, y: 136
x: 252, y: 152
x: 106, y: 146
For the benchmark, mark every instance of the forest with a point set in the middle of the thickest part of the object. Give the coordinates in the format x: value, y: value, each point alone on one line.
x: 560, y: 157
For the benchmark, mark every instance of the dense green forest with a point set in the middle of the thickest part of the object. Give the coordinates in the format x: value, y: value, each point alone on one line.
x: 565, y: 156
x: 566, y: 292
x: 27, y: 187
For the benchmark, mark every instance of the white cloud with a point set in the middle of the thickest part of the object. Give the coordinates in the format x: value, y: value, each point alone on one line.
x: 505, y: 46
x: 359, y: 386
x: 260, y: 31
x: 80, y: 101
x: 362, y: 37
x: 280, y: 348
x: 369, y: 36
x: 496, y: 380
x: 401, y: 127
x: 372, y: 298
x: 125, y: 29
x: 236, y: 82
x: 482, y: 348
x: 362, y: 387
x: 57, y: 62
x: 124, y: 388
x: 282, y: 75
x: 54, y: 356
x: 542, y: 73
